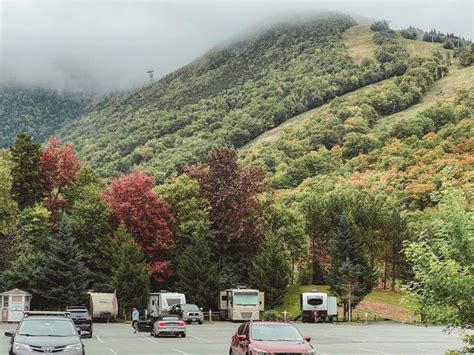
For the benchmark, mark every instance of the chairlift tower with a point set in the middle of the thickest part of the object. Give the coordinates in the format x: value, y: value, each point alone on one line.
x: 150, y: 75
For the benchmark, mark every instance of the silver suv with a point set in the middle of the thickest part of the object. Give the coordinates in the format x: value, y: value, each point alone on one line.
x: 46, y: 332
x: 188, y: 312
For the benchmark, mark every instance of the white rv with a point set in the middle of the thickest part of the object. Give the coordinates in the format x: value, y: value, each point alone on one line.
x: 103, y: 305
x: 239, y: 304
x: 159, y: 303
x: 317, y: 306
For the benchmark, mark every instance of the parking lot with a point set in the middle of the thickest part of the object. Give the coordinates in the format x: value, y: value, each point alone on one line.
x: 379, y: 338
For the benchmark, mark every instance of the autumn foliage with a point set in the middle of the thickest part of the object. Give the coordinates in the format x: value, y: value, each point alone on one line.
x: 58, y: 168
x: 146, y: 216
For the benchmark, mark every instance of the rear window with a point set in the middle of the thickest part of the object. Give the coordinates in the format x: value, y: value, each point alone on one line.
x: 79, y: 313
x: 315, y: 301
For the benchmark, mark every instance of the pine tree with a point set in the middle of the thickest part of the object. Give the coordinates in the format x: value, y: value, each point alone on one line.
x: 63, y: 278
x: 197, y: 274
x: 349, y: 276
x: 27, y: 187
x: 271, y: 272
x: 130, y: 276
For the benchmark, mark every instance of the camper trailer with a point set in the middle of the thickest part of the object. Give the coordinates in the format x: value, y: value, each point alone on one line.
x: 159, y: 303
x: 103, y: 306
x: 317, y: 306
x: 238, y: 304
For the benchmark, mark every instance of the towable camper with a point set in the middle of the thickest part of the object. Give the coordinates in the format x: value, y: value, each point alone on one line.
x: 159, y: 303
x: 103, y: 306
x: 317, y: 306
x: 238, y: 304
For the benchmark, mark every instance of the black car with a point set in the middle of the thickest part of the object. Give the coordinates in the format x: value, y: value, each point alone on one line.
x: 46, y: 332
x: 81, y: 318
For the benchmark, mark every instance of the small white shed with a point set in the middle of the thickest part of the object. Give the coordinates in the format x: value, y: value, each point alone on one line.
x: 13, y: 304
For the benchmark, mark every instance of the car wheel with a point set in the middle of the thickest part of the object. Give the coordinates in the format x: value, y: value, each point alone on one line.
x: 183, y: 335
x: 230, y: 351
x: 90, y: 334
x: 200, y: 322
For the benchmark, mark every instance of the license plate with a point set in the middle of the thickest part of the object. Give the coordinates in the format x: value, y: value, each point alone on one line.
x: 194, y: 320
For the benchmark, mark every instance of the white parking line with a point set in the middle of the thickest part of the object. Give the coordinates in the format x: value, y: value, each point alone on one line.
x: 113, y: 351
x: 98, y: 338
x: 205, y: 340
x: 179, y: 351
x: 149, y: 339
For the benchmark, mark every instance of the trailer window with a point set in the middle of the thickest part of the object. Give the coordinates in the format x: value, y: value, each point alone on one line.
x: 315, y: 301
x: 173, y: 301
x: 246, y: 299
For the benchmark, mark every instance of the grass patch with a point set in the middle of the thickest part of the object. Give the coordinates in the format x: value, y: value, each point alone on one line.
x: 381, y: 304
x: 358, y: 40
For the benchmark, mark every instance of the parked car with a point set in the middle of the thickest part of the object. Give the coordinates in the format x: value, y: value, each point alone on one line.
x: 169, y: 325
x: 46, y: 332
x: 188, y: 312
x: 258, y: 338
x: 81, y: 318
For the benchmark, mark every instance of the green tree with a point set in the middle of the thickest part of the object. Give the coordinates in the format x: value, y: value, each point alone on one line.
x: 23, y: 272
x: 27, y: 187
x: 443, y: 263
x: 36, y: 229
x: 349, y: 275
x: 8, y: 207
x: 287, y: 225
x: 63, y: 278
x: 130, y: 276
x: 89, y: 219
x: 271, y: 272
x: 196, y: 272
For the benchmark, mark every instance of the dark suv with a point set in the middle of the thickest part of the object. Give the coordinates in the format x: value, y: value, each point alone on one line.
x: 82, y: 319
x: 46, y: 332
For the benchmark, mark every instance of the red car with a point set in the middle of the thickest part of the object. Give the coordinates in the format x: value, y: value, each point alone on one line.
x: 259, y: 338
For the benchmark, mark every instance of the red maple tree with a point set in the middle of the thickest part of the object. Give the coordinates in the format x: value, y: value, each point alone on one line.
x: 147, y: 216
x: 58, y: 168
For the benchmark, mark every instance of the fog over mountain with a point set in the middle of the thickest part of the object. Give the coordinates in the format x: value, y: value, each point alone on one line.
x: 109, y: 45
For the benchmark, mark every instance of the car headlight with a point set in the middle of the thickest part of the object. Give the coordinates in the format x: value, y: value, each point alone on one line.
x: 20, y: 346
x: 312, y: 351
x: 259, y: 352
x: 73, y: 347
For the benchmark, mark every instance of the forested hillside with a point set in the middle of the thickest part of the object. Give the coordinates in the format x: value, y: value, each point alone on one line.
x: 229, y: 96
x: 37, y: 111
x: 354, y: 169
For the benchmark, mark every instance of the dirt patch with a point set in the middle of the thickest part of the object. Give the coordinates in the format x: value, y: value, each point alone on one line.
x: 384, y: 310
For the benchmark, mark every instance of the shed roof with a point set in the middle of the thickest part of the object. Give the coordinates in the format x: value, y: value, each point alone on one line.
x: 15, y: 291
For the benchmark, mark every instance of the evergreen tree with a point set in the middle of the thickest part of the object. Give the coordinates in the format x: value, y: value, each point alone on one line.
x: 197, y: 273
x: 63, y: 278
x: 27, y: 187
x: 130, y: 276
x: 349, y: 275
x: 271, y: 272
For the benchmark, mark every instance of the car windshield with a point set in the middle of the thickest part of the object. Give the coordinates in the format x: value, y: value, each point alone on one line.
x: 189, y: 307
x: 246, y: 299
x: 276, y: 332
x: 47, y: 327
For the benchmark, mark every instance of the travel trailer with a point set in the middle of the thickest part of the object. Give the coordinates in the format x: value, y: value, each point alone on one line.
x: 317, y: 306
x: 159, y: 303
x: 103, y: 305
x: 239, y: 304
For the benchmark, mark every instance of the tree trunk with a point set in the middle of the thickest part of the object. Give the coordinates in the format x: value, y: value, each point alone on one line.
x: 385, y: 271
x: 350, y: 304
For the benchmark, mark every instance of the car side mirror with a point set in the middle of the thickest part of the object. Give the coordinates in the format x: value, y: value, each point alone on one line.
x: 308, y: 339
x: 9, y: 334
x: 242, y: 337
x: 84, y: 334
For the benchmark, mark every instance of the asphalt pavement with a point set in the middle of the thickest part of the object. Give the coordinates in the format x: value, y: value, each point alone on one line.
x: 210, y: 339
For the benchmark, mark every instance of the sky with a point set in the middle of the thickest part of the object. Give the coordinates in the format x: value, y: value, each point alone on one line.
x: 104, y: 45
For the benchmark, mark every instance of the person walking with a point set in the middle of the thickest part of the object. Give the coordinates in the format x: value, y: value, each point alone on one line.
x: 135, y: 318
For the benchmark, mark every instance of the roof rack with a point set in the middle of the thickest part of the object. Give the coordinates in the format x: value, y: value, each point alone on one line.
x: 46, y: 313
